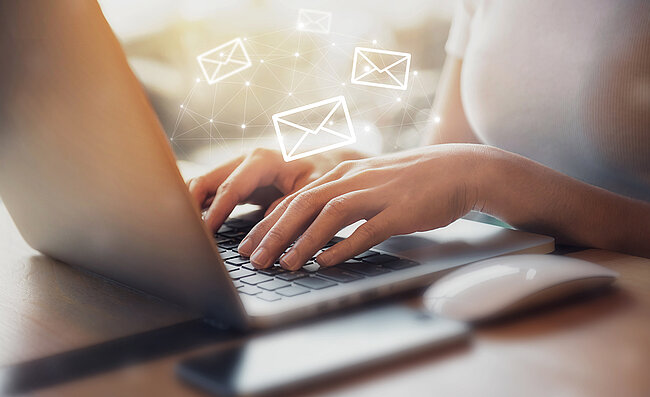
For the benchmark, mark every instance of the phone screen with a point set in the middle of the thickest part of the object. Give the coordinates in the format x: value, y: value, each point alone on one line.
x: 294, y: 357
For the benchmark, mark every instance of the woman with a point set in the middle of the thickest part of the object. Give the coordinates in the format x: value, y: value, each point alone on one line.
x: 542, y: 119
x: 544, y: 109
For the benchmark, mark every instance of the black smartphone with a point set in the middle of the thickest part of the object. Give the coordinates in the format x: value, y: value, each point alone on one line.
x: 292, y: 358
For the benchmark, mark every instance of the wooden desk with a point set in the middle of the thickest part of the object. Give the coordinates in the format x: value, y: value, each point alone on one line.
x: 597, y: 347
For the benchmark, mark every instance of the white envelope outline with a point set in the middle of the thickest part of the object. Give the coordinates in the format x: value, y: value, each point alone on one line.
x: 342, y: 138
x: 232, y: 52
x: 314, y: 21
x: 360, y: 52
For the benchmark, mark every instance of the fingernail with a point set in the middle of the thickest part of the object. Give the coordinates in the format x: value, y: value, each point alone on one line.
x: 245, y: 247
x: 260, y: 257
x: 288, y: 260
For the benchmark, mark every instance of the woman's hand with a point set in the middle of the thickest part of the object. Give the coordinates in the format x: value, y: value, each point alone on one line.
x: 400, y: 193
x: 261, y: 178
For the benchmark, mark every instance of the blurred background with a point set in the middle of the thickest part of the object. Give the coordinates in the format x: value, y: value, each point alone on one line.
x: 290, y: 68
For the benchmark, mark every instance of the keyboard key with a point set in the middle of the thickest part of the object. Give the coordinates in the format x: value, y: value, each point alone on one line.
x: 240, y: 260
x: 228, y: 254
x: 400, y: 264
x: 290, y: 276
x: 272, y: 271
x: 366, y: 254
x: 221, y: 240
x: 250, y: 290
x: 380, y: 259
x: 339, y: 275
x: 269, y: 296
x: 224, y: 229
x: 311, y: 267
x: 292, y: 291
x: 248, y: 266
x: 237, y: 274
x: 229, y: 244
x: 238, y: 284
x: 367, y: 269
x: 273, y: 285
x: 256, y: 279
x: 234, y: 234
x: 315, y: 282
x: 238, y: 224
x: 230, y: 267
x: 222, y: 250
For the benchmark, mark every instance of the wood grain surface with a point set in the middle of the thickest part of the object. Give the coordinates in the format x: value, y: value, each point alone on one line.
x: 596, y: 346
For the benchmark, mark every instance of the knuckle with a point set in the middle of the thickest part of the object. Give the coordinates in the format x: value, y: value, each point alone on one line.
x: 226, y: 189
x: 274, y: 235
x: 260, y: 152
x: 197, y: 184
x: 337, y: 207
x: 345, y: 246
x: 345, y: 166
x: 304, y: 200
x: 369, y: 231
x: 368, y: 174
x: 307, y: 239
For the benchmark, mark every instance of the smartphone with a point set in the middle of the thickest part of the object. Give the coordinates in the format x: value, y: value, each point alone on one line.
x: 292, y: 358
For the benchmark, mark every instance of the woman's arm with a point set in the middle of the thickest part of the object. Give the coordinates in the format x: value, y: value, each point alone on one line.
x: 431, y: 187
x: 533, y: 197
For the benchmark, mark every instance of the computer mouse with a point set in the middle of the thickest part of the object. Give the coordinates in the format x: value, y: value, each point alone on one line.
x: 504, y: 285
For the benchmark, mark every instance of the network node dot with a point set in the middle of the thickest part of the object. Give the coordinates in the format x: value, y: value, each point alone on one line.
x: 248, y: 83
x: 261, y: 61
x: 436, y: 119
x: 296, y: 54
x: 343, y: 84
x: 211, y: 120
x: 366, y: 128
x: 415, y: 72
x: 399, y: 99
x: 374, y: 42
x: 290, y: 94
x: 182, y: 106
x: 243, y: 126
x: 198, y: 79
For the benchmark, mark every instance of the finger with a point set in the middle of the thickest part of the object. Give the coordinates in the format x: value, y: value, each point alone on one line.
x: 275, y: 233
x: 369, y: 234
x: 203, y: 187
x: 250, y: 174
x: 339, y: 212
x: 272, y: 215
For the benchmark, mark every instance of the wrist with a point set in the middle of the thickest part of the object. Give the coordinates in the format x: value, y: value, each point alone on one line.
x: 491, y: 165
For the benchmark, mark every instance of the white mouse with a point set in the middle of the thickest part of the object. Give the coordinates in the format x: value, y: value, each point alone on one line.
x: 503, y: 285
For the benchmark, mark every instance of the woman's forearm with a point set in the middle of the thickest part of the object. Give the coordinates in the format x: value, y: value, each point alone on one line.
x: 530, y: 196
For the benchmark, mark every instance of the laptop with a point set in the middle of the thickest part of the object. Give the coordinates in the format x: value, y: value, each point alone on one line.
x: 113, y: 202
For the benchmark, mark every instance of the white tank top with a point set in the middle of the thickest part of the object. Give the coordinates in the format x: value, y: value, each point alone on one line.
x: 563, y: 82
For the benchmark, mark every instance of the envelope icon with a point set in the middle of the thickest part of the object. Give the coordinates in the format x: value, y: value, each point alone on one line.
x: 224, y: 61
x: 381, y: 68
x: 314, y: 128
x: 314, y: 21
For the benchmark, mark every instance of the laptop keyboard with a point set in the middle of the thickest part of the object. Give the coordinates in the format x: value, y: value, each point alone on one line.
x: 276, y: 283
